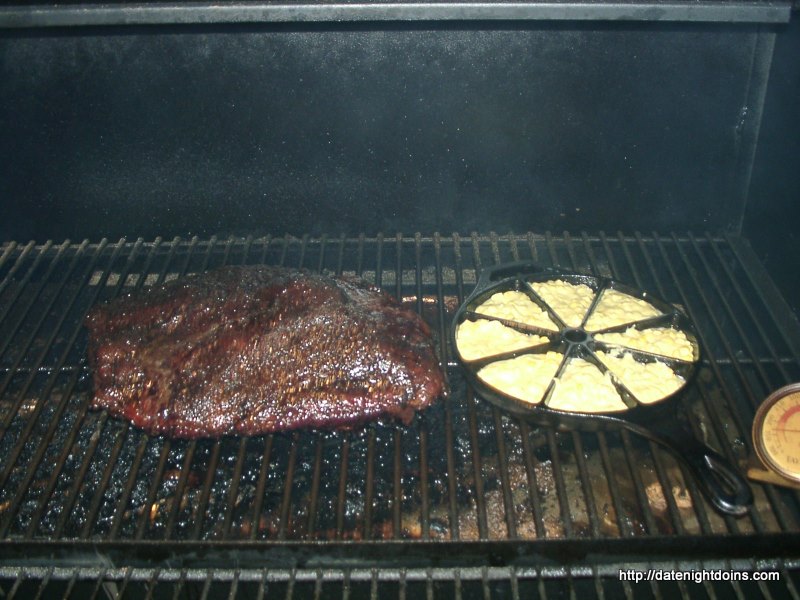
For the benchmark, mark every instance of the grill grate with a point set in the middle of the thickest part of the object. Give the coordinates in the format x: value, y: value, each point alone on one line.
x: 476, y: 583
x: 73, y: 481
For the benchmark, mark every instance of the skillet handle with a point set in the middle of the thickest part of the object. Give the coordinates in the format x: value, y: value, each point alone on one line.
x: 721, y: 483
x: 719, y: 480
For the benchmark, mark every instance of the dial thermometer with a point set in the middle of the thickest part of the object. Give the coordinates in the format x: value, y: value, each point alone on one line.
x: 776, y: 432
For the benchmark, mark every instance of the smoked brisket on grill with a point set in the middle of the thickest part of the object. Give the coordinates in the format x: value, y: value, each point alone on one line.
x: 250, y: 350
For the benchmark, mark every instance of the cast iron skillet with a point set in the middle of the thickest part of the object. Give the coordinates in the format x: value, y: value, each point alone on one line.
x: 661, y: 421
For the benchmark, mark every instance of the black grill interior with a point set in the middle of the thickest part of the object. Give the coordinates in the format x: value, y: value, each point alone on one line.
x: 466, y: 501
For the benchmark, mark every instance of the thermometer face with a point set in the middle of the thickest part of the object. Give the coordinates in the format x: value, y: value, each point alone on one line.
x: 776, y: 432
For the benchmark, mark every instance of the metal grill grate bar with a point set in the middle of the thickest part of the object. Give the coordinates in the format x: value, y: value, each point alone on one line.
x: 767, y: 382
x: 462, y: 472
x: 4, y: 385
x: 665, y: 489
x: 34, y: 464
x: 483, y: 583
x: 726, y: 450
x: 699, y: 508
x: 81, y: 472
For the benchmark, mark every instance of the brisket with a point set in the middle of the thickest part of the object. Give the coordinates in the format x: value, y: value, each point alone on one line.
x: 250, y: 350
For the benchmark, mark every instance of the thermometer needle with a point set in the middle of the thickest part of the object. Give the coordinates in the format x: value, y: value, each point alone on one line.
x: 775, y: 432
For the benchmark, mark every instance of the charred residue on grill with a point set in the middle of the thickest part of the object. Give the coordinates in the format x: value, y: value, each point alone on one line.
x: 316, y: 485
x: 326, y: 498
x: 326, y: 501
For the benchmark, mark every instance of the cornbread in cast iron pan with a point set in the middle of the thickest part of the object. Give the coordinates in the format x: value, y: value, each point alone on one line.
x: 661, y: 421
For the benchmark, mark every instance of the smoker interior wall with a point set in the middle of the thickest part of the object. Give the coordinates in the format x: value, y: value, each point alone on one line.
x: 378, y: 127
x: 774, y: 207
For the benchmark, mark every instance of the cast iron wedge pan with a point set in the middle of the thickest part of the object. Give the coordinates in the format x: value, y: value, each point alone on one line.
x: 662, y: 421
